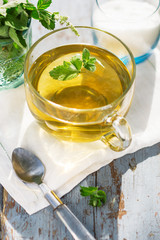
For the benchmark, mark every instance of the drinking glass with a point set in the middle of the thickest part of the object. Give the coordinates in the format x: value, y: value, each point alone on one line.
x: 135, y: 22
x: 106, y: 123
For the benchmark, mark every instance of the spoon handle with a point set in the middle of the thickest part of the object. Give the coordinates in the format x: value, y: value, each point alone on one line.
x: 75, y: 227
x: 71, y: 222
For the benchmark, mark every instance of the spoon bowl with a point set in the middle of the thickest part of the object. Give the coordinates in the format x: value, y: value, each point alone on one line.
x: 27, y: 166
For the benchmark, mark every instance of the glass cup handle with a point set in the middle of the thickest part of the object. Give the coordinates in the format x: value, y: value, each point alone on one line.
x: 120, y: 137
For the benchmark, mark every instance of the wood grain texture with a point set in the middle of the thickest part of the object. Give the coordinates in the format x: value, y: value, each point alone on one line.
x: 132, y: 211
x: 133, y: 208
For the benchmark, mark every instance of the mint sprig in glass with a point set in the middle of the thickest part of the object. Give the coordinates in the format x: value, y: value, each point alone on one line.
x: 15, y: 35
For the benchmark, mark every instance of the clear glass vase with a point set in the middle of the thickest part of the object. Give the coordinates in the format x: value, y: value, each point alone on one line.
x: 12, y: 59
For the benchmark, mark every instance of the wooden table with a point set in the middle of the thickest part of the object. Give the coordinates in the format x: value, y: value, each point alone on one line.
x: 132, y: 211
x: 132, y: 184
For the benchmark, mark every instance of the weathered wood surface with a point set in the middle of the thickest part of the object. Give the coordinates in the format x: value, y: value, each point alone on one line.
x: 132, y: 211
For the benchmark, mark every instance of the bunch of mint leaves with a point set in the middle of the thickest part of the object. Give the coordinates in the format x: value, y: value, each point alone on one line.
x: 15, y: 18
x: 97, y: 197
x: 70, y: 70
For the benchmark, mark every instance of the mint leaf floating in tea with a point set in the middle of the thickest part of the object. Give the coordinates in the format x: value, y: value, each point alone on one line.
x: 88, y: 61
x: 63, y: 72
x: 97, y: 197
x: 70, y: 70
x: 76, y: 61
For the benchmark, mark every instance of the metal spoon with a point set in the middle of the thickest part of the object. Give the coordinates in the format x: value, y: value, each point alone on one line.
x: 29, y: 168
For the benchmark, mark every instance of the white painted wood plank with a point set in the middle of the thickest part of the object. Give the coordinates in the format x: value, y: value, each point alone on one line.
x: 141, y: 197
x: 132, y: 211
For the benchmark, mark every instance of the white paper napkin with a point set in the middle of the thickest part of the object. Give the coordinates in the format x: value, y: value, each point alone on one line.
x: 68, y: 163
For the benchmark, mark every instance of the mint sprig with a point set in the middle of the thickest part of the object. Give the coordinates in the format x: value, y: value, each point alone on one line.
x: 43, y: 4
x: 97, y: 197
x: 88, y: 62
x: 70, y: 70
x: 15, y: 17
x: 63, y: 72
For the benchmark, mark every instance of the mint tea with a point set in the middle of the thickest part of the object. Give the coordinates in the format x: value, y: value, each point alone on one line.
x: 88, y: 91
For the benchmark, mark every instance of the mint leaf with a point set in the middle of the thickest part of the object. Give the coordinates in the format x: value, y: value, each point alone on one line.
x: 102, y: 196
x: 24, y: 17
x: 87, y: 191
x: 17, y: 38
x: 15, y: 11
x: 52, y: 22
x: 4, y: 31
x: 29, y: 6
x: 97, y: 197
x: 88, y: 62
x: 71, y: 76
x: 35, y: 14
x: 76, y: 61
x: 70, y: 70
x: 85, y: 54
x: 43, y: 4
x: 15, y: 23
x: 90, y: 66
x: 46, y: 19
x: 63, y: 72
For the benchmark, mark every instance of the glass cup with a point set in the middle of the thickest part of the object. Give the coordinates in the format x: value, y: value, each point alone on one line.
x: 135, y: 22
x: 12, y: 59
x: 106, y: 123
